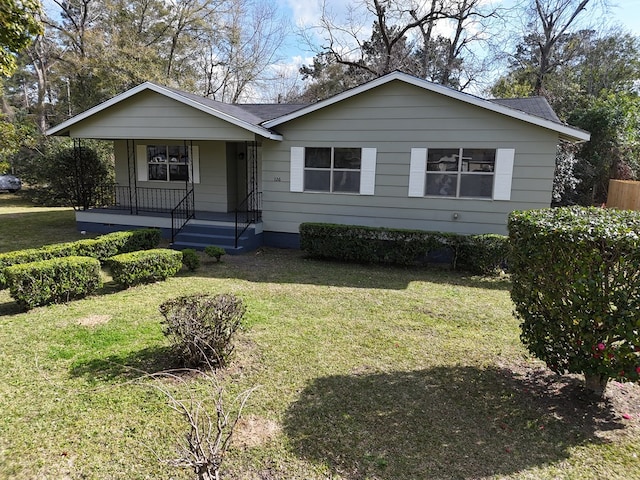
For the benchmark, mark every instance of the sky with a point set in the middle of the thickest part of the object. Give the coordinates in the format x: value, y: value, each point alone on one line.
x: 304, y: 13
x: 627, y: 13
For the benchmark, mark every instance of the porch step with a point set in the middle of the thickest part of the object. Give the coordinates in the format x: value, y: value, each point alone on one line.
x: 199, y: 236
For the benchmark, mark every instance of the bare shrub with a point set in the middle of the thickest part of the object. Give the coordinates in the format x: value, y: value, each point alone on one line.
x: 210, y: 422
x: 201, y: 327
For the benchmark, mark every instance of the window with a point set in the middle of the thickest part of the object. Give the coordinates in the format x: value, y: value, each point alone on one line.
x: 161, y: 162
x: 332, y: 169
x: 475, y: 173
x: 326, y: 169
x: 460, y: 172
x: 168, y: 162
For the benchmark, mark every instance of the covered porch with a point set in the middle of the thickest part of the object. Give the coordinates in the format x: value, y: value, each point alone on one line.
x: 210, y: 184
x: 185, y: 164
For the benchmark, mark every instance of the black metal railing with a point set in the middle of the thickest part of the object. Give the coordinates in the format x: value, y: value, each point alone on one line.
x: 134, y: 200
x: 182, y: 213
x: 113, y: 197
x: 248, y: 211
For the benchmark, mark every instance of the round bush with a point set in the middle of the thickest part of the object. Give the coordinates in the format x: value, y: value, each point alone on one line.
x: 201, y: 327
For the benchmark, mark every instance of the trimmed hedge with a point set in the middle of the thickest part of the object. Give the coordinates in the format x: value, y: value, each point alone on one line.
x: 53, y: 281
x: 101, y: 248
x: 576, y: 289
x: 144, y: 266
x: 482, y: 254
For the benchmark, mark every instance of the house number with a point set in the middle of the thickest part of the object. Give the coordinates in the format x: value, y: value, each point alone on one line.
x: 276, y: 179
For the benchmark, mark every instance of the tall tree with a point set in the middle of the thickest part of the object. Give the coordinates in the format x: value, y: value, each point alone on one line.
x: 18, y: 26
x: 241, y: 49
x: 432, y: 40
x: 593, y: 89
x: 550, y: 21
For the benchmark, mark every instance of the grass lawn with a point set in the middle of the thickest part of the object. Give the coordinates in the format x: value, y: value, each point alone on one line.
x: 361, y: 372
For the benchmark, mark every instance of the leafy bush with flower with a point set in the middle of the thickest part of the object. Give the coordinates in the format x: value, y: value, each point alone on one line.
x: 576, y: 289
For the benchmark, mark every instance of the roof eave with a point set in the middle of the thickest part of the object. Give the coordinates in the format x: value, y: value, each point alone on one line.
x: 566, y: 132
x: 64, y: 128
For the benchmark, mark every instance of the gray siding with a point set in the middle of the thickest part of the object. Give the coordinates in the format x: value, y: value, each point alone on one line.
x: 151, y: 115
x: 395, y: 118
x: 210, y: 194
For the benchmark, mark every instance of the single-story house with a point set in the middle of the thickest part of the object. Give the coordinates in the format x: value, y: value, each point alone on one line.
x: 396, y: 152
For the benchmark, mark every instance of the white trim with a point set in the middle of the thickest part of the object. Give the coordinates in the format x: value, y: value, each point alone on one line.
x: 417, y: 172
x: 296, y: 178
x: 565, y: 131
x: 194, y: 155
x: 368, y: 171
x: 141, y: 163
x: 503, y: 174
x: 64, y: 126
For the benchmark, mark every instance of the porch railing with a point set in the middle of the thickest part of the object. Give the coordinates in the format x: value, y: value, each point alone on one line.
x: 140, y: 199
x: 248, y: 211
x: 182, y: 213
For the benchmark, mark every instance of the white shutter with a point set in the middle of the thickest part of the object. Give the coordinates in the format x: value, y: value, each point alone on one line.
x: 194, y: 155
x: 417, y: 171
x: 296, y: 179
x: 141, y: 163
x: 503, y: 174
x: 368, y: 171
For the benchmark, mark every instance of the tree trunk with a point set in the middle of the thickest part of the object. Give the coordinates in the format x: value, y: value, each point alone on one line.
x: 596, y: 384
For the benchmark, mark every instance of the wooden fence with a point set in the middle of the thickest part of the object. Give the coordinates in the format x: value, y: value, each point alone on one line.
x: 624, y: 194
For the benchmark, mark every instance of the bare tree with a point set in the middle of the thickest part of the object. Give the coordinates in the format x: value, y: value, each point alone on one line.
x: 42, y: 54
x: 189, y: 18
x: 393, y: 20
x: 551, y: 20
x: 432, y: 39
x: 239, y: 52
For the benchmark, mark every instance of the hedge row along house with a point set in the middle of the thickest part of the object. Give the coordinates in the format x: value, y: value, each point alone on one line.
x: 397, y: 152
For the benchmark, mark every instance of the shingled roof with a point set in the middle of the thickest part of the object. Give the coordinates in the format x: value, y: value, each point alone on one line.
x: 537, y: 106
x: 261, y: 118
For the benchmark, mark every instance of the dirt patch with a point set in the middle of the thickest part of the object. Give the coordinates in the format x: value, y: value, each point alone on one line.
x: 94, y: 320
x: 253, y: 431
x: 565, y: 397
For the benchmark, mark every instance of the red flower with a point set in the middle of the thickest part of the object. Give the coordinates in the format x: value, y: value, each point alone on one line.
x: 601, y: 346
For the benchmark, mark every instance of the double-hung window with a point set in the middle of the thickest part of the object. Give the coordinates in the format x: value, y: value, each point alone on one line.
x: 168, y: 163
x: 332, y: 169
x: 460, y: 172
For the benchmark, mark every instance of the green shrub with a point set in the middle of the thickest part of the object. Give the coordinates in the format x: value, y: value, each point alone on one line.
x: 201, y: 327
x: 134, y: 240
x: 360, y: 244
x: 144, y: 266
x: 214, y: 252
x: 482, y: 254
x: 576, y: 289
x: 16, y: 258
x: 190, y: 259
x: 102, y: 247
x: 53, y: 281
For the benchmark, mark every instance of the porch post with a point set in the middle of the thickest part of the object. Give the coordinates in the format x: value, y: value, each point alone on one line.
x: 77, y: 157
x: 189, y: 181
x: 133, y: 177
